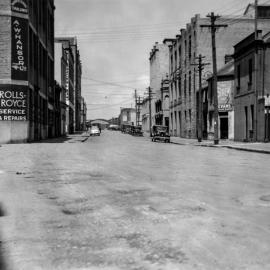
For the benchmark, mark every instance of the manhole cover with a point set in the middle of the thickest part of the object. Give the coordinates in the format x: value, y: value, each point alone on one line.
x: 265, y: 198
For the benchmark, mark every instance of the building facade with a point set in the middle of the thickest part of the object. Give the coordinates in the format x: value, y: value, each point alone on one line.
x: 225, y: 90
x: 127, y: 116
x: 83, y: 115
x: 252, y: 88
x: 188, y: 45
x: 145, y: 115
x: 27, y: 106
x: 73, y: 74
x: 159, y: 70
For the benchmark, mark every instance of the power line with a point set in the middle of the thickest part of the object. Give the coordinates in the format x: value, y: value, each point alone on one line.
x: 108, y: 83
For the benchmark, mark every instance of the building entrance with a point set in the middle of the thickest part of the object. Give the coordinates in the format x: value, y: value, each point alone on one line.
x: 224, y: 126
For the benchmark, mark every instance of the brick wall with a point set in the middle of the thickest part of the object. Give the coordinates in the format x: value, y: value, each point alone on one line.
x: 5, y: 47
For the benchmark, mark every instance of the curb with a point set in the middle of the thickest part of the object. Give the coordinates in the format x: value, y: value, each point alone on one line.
x: 247, y: 149
x: 229, y: 147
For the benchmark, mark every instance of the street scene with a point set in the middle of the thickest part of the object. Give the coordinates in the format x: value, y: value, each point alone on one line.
x: 115, y: 202
x: 134, y: 134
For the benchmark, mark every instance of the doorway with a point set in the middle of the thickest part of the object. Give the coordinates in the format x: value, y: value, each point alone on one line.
x: 224, y: 126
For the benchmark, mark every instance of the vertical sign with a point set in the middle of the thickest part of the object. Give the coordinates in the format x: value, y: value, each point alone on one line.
x: 19, y: 49
x: 67, y: 80
x: 13, y: 102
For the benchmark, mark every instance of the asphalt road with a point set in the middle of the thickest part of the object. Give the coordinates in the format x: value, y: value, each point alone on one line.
x: 118, y: 202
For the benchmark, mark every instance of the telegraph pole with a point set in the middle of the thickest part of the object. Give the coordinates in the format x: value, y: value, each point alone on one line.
x: 213, y: 26
x: 139, y: 111
x: 136, y: 108
x: 200, y: 69
x: 150, y: 110
x: 256, y: 72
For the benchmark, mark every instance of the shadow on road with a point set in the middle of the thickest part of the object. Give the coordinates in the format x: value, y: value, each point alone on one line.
x: 3, y: 265
x: 2, y: 262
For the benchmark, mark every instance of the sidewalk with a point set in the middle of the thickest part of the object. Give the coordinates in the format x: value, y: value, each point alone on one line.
x: 258, y: 147
x: 80, y: 136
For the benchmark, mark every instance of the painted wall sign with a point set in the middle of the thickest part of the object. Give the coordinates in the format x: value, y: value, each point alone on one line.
x: 67, y: 81
x: 224, y: 107
x: 20, y: 6
x: 19, y: 45
x: 13, y: 103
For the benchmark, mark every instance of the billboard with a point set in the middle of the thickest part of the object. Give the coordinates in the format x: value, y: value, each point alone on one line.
x: 19, y: 49
x: 13, y: 103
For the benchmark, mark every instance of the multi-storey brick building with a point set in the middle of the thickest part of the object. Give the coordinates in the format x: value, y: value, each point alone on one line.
x: 83, y: 114
x: 252, y: 91
x: 192, y: 41
x: 75, y: 73
x: 27, y: 107
x: 159, y: 69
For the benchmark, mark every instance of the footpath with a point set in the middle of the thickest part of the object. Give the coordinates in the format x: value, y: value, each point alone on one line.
x: 258, y: 147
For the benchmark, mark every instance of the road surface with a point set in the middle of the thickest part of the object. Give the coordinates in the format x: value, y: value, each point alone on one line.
x: 118, y: 202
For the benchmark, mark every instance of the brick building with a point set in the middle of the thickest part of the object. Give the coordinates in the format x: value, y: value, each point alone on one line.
x: 225, y: 90
x: 127, y: 116
x: 83, y: 114
x: 74, y: 72
x: 145, y: 115
x: 27, y: 106
x: 159, y: 69
x: 252, y: 91
x: 192, y: 41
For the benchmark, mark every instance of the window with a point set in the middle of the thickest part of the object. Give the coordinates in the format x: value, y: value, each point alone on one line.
x: 189, y: 83
x: 238, y: 78
x: 179, y: 53
x: 185, y: 86
x: 250, y: 71
x: 264, y: 12
x: 189, y: 112
x: 175, y: 59
x: 189, y: 47
x: 186, y: 116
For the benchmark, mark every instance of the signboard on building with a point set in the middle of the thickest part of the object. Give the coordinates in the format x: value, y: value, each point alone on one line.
x: 20, y: 6
x: 19, y: 49
x: 13, y: 103
x: 225, y: 89
x: 224, y: 107
x: 67, y: 82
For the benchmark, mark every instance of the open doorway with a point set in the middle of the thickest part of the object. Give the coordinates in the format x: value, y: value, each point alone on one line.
x: 224, y: 125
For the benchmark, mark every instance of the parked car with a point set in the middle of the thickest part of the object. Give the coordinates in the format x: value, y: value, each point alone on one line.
x: 160, y: 133
x: 94, y: 131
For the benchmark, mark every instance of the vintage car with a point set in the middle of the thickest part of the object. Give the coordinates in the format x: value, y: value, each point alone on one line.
x: 136, y: 131
x: 94, y: 131
x: 160, y: 133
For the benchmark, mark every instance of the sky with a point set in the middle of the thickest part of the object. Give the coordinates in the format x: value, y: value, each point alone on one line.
x: 115, y: 38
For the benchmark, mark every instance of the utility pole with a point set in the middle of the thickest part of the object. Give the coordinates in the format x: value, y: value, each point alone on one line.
x: 200, y: 117
x: 255, y: 129
x: 213, y: 26
x: 136, y: 108
x: 150, y: 110
x: 139, y: 110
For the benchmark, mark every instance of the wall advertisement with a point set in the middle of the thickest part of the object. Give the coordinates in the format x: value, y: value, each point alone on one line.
x: 13, y: 103
x: 19, y: 52
x: 20, y: 6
